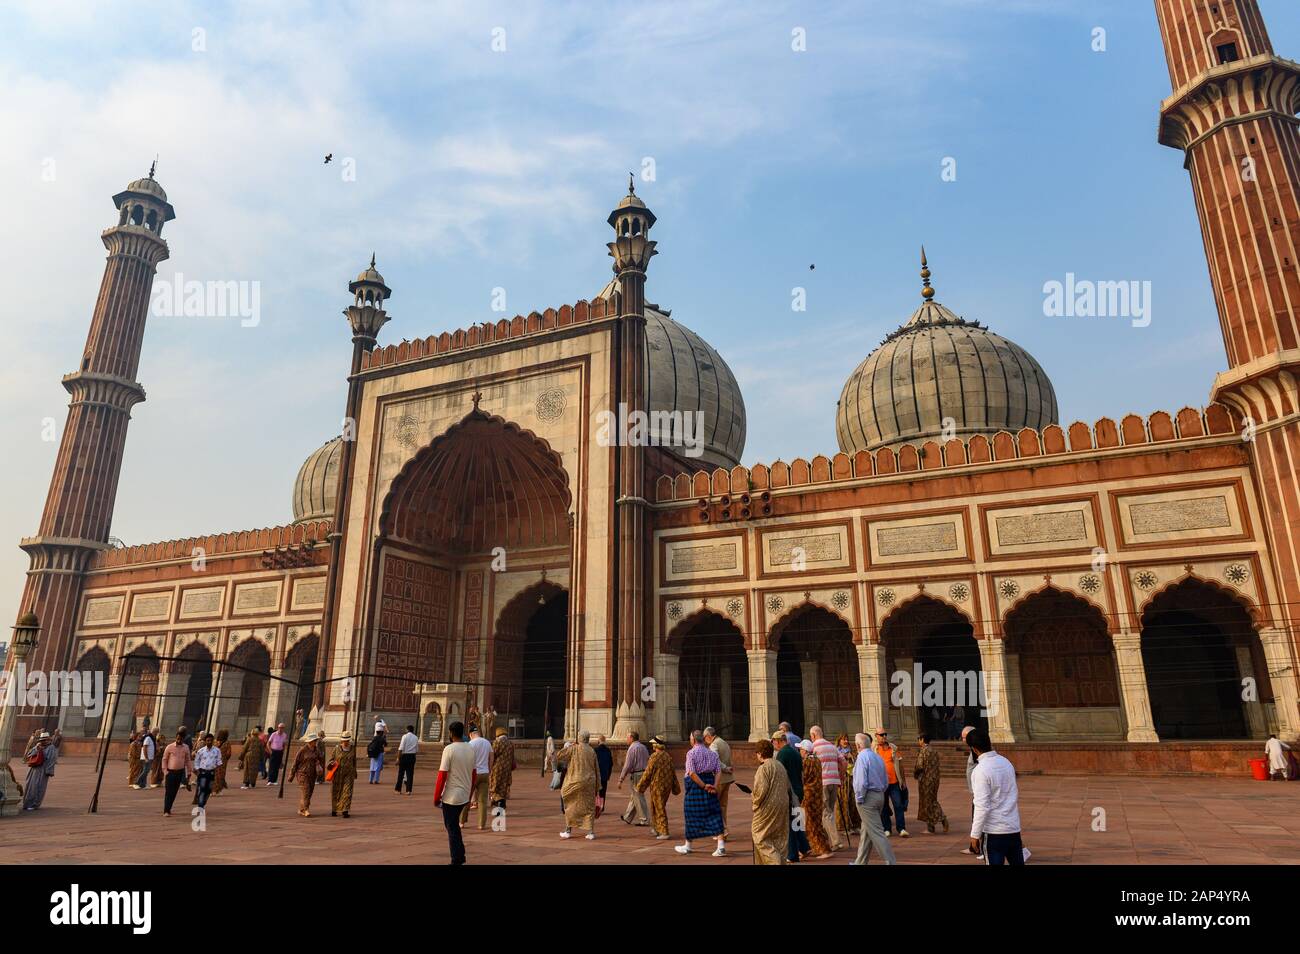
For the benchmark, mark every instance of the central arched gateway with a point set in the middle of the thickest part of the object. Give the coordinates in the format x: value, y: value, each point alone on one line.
x: 471, y: 581
x: 712, y: 675
x: 923, y: 636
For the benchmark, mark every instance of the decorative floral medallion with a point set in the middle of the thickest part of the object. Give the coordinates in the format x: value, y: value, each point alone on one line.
x: 840, y: 600
x: 959, y: 592
x: 775, y: 604
x: 735, y: 606
x: 1145, y: 579
x: 674, y: 610
x: 407, y: 430
x: 1009, y: 589
x: 1236, y: 573
x: 1090, y: 584
x: 886, y: 596
x: 550, y: 404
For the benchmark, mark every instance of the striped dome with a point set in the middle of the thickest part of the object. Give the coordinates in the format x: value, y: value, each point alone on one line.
x: 317, y: 486
x: 935, y: 367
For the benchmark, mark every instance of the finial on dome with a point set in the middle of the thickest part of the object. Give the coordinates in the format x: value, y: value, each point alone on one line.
x: 927, y: 292
x: 153, y: 166
x: 372, y: 259
x: 631, y: 184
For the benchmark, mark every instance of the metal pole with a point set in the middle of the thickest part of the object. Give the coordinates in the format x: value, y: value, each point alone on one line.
x: 108, y: 739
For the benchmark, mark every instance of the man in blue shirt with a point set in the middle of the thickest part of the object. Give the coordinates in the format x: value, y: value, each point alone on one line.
x: 870, y: 780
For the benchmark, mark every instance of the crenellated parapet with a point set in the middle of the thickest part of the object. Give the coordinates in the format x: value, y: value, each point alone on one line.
x: 219, y: 544
x: 1028, y: 444
x: 481, y: 335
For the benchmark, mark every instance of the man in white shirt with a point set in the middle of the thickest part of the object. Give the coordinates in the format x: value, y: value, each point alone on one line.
x: 996, y: 826
x: 148, y: 750
x: 482, y: 749
x: 456, y: 779
x: 206, y: 761
x: 407, y: 750
x: 1274, y: 748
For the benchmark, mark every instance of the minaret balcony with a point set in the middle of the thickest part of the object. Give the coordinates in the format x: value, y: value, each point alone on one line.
x: 1231, y: 93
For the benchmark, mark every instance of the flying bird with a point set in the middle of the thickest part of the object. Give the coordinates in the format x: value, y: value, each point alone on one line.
x: 328, y: 157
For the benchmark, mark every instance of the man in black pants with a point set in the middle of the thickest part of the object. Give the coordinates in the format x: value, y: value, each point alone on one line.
x: 206, y: 762
x: 176, y: 761
x: 456, y: 778
x: 407, y: 749
x: 995, y: 829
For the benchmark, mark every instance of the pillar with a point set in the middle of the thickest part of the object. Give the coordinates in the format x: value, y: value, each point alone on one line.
x: 763, y: 704
x: 1016, y: 697
x: 667, y: 708
x: 874, y: 685
x: 280, y: 696
x: 1256, y: 719
x: 997, y: 692
x: 1282, y: 676
x: 811, y: 693
x: 172, y: 687
x: 905, y: 718
x: 1133, y: 687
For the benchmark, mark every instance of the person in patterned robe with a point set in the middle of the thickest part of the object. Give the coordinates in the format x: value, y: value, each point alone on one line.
x: 847, y: 818
x: 503, y: 769
x: 581, y: 782
x: 133, y: 760
x: 344, y: 761
x: 770, y: 825
x: 250, y: 760
x: 926, y: 771
x: 156, y: 774
x: 223, y: 746
x: 658, y: 782
x: 308, y: 767
x: 814, y: 803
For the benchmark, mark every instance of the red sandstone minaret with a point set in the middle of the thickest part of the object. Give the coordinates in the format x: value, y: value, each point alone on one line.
x: 631, y: 250
x: 1233, y: 113
x: 79, y: 507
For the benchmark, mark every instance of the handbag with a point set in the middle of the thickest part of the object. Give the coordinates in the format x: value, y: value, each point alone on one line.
x: 905, y: 797
x: 557, y: 779
x: 36, y: 758
x: 330, y: 770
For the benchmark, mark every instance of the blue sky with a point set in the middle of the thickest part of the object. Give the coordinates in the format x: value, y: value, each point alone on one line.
x: 478, y: 169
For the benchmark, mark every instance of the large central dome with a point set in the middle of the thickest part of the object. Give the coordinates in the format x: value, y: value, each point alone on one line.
x: 941, y: 369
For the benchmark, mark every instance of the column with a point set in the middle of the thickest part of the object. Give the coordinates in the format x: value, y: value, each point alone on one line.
x: 905, y: 726
x: 997, y: 695
x: 724, y: 686
x: 763, y: 702
x: 172, y: 687
x: 281, y: 695
x: 226, y: 708
x: 1256, y: 720
x: 124, y: 722
x: 811, y: 693
x: 1282, y: 676
x: 667, y: 709
x: 1133, y: 687
x: 1016, y: 696
x: 873, y: 685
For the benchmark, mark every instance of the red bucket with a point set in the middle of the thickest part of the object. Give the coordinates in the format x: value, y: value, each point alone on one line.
x: 1259, y: 769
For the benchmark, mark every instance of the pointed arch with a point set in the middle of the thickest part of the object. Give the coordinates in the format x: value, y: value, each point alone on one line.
x: 795, y: 612
x: 919, y: 598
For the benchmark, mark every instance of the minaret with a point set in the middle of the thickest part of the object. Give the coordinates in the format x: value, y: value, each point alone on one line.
x: 631, y: 251
x: 79, y: 506
x: 1233, y: 113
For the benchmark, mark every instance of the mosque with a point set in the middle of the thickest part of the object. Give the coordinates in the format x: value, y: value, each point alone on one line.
x: 1116, y: 596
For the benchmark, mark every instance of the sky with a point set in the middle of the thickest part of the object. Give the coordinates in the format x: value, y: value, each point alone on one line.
x: 480, y: 146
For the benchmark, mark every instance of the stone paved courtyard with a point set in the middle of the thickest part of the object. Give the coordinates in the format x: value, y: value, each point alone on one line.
x: 1148, y: 821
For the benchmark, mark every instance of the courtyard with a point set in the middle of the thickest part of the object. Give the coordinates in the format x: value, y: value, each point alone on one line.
x: 1067, y: 820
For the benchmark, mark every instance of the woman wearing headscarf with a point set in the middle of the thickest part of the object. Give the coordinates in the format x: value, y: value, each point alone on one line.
x: 926, y: 771
x: 376, y: 751
x: 133, y: 761
x: 308, y: 768
x: 223, y: 746
x: 343, y: 760
x: 250, y: 759
x: 40, y: 760
x: 503, y: 769
x: 658, y: 782
x: 847, y: 818
x: 156, y: 773
x: 770, y: 826
x: 581, y: 783
x: 813, y: 804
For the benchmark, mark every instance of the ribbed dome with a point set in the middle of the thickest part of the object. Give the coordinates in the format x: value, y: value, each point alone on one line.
x: 317, y: 486
x: 939, y: 366
x: 685, y: 373
x: 149, y: 185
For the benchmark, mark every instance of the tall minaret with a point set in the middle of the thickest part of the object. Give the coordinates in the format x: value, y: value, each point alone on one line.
x: 631, y: 251
x: 79, y: 506
x: 1233, y: 113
